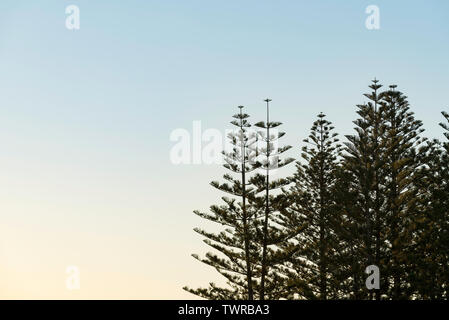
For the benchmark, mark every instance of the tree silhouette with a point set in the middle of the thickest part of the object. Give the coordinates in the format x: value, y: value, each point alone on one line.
x: 364, y: 165
x: 382, y: 199
x: 269, y: 233
x: 308, y: 214
x: 234, y: 243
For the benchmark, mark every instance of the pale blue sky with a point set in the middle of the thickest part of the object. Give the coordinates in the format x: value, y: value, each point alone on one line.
x: 85, y: 116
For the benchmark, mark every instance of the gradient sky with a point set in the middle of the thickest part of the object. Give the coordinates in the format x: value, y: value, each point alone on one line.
x: 85, y: 119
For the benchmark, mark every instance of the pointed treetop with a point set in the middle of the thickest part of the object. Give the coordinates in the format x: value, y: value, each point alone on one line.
x: 375, y: 84
x: 241, y: 109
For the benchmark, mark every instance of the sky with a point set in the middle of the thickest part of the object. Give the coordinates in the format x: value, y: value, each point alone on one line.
x: 86, y: 117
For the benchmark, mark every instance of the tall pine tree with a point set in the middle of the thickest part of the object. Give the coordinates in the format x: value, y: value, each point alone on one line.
x: 401, y: 147
x: 382, y: 162
x: 364, y: 166
x: 269, y: 233
x: 236, y: 262
x: 308, y: 213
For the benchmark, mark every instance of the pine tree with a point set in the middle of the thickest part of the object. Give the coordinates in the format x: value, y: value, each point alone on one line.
x: 308, y: 214
x: 378, y: 130
x: 381, y: 161
x: 237, y: 215
x: 364, y: 167
x: 269, y: 232
x: 402, y: 141
x: 429, y: 274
